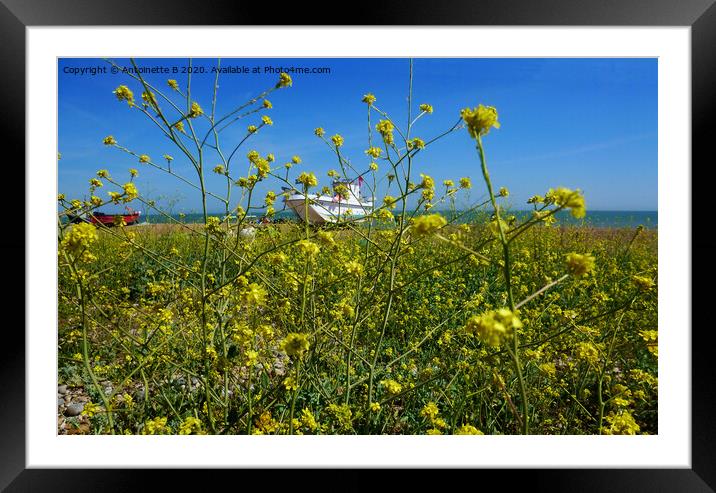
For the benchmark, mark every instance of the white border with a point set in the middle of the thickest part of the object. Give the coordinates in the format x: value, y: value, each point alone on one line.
x: 671, y: 448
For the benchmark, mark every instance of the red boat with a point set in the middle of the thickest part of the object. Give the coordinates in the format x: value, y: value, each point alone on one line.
x: 100, y: 218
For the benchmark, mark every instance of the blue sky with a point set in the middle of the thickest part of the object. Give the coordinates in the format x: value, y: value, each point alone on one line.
x: 580, y: 123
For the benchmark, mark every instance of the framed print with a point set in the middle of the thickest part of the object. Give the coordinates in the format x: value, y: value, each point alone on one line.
x: 308, y: 242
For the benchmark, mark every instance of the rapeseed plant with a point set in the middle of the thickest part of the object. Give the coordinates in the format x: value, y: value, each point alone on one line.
x: 406, y: 323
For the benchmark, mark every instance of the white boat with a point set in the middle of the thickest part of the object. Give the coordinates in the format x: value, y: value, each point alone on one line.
x: 327, y: 208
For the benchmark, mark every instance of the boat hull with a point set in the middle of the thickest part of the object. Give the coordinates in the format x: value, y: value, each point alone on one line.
x: 108, y: 219
x: 326, y: 210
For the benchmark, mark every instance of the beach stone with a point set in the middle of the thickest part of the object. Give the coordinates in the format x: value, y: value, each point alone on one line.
x: 60, y: 401
x: 248, y: 233
x: 62, y: 389
x: 139, y: 395
x: 74, y: 409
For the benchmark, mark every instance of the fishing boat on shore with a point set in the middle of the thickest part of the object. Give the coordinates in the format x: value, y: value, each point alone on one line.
x: 321, y: 209
x: 102, y: 219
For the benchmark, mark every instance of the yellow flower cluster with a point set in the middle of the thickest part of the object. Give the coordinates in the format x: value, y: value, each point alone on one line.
x: 622, y: 423
x: 426, y: 108
x: 385, y: 128
x: 391, y: 386
x: 284, y: 80
x: 368, y: 99
x: 428, y: 224
x: 109, y: 141
x: 123, y: 93
x: 389, y: 201
x: 254, y: 295
x: 190, y: 426
x: 570, y: 199
x: 643, y: 283
x: 156, y: 426
x: 342, y: 414
x: 149, y: 98
x: 374, y: 152
x: 494, y: 326
x: 79, y: 238
x: 308, y: 179
x: 337, y: 140
x: 580, y: 264
x: 295, y: 344
x: 430, y: 410
x: 130, y: 192
x: 308, y: 247
x: 354, y: 268
x: 586, y: 351
x: 416, y: 143
x: 326, y: 238
x: 468, y: 430
x: 480, y: 120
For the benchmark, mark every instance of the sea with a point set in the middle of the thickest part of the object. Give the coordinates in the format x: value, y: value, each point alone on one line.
x: 596, y: 219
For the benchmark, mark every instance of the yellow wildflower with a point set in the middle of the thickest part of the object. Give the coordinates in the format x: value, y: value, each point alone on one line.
x: 468, y: 430
x: 573, y: 200
x: 374, y: 152
x: 385, y: 128
x: 284, y: 80
x: 308, y: 179
x: 190, y: 426
x: 79, y: 238
x: 580, y: 265
x: 643, y: 283
x: 368, y: 99
x: 426, y: 108
x: 622, y: 423
x: 123, y: 93
x: 480, y: 120
x: 392, y: 387
x: 295, y: 344
x: 308, y: 247
x: 130, y: 191
x: 430, y: 411
x: 337, y: 140
x: 354, y: 268
x: 428, y: 224
x: 494, y: 326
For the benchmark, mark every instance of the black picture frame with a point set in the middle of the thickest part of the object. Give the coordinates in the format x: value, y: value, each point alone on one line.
x: 700, y: 15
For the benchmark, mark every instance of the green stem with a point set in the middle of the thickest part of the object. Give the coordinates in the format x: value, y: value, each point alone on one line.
x: 514, y: 353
